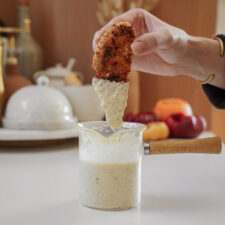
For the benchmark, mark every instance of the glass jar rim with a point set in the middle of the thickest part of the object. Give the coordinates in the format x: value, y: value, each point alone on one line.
x: 102, y: 128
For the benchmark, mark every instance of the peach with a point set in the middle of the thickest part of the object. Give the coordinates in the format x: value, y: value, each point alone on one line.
x: 164, y: 108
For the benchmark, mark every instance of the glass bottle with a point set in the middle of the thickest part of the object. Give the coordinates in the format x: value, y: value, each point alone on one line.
x: 30, y: 55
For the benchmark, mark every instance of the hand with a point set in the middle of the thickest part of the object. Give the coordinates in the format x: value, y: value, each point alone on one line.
x: 159, y: 48
x: 162, y: 49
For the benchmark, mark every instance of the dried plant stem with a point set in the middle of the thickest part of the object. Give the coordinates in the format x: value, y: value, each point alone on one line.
x: 107, y: 9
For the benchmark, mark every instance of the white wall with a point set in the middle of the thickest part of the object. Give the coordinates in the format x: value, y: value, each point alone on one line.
x: 220, y: 20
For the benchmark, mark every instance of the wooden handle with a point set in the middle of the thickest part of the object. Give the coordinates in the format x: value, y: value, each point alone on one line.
x: 210, y: 145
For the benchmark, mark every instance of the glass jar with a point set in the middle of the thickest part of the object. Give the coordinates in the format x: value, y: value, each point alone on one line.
x: 110, y: 165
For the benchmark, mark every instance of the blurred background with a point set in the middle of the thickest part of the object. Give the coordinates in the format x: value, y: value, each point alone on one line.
x: 63, y: 29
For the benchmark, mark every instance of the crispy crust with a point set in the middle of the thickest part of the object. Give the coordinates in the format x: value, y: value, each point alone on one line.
x: 113, y: 56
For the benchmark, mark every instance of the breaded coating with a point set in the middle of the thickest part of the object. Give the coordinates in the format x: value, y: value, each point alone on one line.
x: 113, y: 56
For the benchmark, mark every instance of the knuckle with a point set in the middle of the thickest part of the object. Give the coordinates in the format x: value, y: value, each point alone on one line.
x: 156, y: 39
x: 170, y: 35
x: 137, y: 11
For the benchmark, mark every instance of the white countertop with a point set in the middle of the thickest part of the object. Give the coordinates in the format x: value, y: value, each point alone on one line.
x: 40, y: 187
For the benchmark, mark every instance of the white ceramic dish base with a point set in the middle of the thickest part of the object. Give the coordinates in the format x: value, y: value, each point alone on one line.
x: 36, y: 135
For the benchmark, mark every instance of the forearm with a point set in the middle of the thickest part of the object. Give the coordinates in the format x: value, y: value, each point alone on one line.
x: 206, y: 57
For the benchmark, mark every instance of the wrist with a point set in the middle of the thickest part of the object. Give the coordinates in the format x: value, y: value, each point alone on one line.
x: 205, y: 59
x: 199, y: 52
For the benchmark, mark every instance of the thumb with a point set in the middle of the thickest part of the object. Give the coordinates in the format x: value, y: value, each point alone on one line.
x: 95, y: 40
x: 147, y: 42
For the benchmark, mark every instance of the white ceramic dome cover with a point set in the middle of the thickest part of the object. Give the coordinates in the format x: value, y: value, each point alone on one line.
x: 38, y: 105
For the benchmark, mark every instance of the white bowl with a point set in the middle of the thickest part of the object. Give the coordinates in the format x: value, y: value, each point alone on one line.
x: 38, y: 107
x: 84, y: 101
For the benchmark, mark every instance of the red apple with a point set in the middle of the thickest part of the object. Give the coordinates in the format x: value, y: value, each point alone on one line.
x: 141, y: 117
x: 182, y: 126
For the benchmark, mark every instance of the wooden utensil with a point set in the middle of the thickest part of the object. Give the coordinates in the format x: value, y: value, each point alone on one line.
x: 212, y: 145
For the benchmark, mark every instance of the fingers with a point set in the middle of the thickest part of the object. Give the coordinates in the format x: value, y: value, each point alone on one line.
x: 128, y: 16
x: 148, y: 42
x: 99, y: 33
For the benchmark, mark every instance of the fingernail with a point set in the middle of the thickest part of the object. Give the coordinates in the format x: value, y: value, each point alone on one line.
x: 138, y: 48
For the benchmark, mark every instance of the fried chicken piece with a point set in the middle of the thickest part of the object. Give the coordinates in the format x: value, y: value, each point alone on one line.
x: 113, y: 56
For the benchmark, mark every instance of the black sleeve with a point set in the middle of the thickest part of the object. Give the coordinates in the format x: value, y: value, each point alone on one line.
x: 215, y: 95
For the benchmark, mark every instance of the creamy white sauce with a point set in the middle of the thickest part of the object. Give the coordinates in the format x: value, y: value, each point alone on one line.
x: 113, y: 96
x: 110, y: 186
